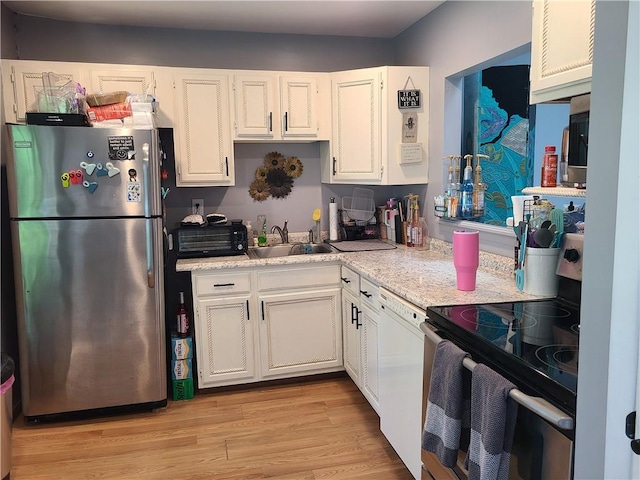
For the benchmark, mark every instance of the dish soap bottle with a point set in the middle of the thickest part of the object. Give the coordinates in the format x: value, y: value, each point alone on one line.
x: 262, y: 226
x: 467, y: 189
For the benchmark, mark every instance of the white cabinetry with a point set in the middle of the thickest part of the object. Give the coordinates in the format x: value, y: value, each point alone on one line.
x: 204, y: 152
x: 121, y: 78
x: 561, y: 49
x: 360, y: 313
x: 224, y: 331
x: 21, y: 78
x: 300, y: 327
x: 280, y: 107
x: 367, y: 128
x: 267, y: 323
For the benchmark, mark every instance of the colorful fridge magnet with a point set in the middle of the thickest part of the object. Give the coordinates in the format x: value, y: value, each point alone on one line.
x: 111, y: 170
x: 88, y: 167
x: 101, y: 171
x: 75, y: 177
x: 64, y: 178
x: 134, y: 192
x: 91, y: 186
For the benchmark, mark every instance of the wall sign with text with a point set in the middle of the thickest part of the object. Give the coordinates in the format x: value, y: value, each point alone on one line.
x: 408, y: 99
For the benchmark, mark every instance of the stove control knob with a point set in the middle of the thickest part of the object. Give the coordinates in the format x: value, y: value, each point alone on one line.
x: 572, y: 255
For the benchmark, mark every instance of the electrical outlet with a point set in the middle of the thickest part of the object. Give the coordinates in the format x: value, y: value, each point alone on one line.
x: 197, y: 206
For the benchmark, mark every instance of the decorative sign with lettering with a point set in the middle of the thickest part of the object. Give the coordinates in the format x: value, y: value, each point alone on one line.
x: 121, y: 148
x: 408, y: 99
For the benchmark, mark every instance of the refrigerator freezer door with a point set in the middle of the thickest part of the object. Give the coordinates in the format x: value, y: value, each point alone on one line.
x: 73, y: 172
x: 90, y: 313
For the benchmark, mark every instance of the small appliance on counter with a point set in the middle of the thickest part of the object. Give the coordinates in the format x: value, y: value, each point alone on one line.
x: 212, y: 240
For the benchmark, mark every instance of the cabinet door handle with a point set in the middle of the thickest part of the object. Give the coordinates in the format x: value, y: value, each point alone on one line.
x: 226, y: 163
x: 345, y: 280
x: 248, y: 314
x: 358, y: 324
x: 262, y: 309
x: 270, y: 121
x: 366, y: 294
x: 334, y: 165
x: 286, y: 123
x: 223, y: 285
x: 353, y: 318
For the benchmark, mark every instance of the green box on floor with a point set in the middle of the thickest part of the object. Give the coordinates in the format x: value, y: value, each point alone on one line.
x: 183, y: 389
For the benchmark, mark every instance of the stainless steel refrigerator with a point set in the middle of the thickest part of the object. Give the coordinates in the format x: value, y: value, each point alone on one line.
x: 86, y: 226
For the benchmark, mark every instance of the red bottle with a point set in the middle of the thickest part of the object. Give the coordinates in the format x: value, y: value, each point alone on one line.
x: 184, y: 327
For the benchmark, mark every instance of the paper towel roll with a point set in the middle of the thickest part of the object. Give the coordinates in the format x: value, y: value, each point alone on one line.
x: 333, y: 220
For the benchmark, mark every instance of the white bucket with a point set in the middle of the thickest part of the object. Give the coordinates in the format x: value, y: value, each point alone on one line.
x: 540, y: 271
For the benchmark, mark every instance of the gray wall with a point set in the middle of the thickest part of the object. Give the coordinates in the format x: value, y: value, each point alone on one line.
x: 458, y: 38
x: 7, y: 34
x: 42, y: 39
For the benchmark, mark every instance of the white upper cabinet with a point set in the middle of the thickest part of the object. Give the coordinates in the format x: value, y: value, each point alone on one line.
x: 254, y: 105
x: 204, y: 152
x: 561, y: 49
x: 356, y: 140
x: 115, y: 78
x: 299, y: 107
x: 22, y: 78
x: 374, y: 141
x: 268, y: 106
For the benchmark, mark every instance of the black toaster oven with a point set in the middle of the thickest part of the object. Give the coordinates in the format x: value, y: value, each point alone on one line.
x: 212, y: 240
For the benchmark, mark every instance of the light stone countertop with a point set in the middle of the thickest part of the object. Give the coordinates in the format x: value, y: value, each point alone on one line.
x: 423, y: 277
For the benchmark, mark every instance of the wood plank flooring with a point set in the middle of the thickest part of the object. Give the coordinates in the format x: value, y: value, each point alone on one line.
x: 320, y: 429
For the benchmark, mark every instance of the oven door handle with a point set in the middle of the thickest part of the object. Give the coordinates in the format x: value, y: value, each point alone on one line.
x: 537, y: 405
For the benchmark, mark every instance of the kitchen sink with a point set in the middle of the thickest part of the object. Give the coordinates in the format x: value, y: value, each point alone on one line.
x: 284, y: 250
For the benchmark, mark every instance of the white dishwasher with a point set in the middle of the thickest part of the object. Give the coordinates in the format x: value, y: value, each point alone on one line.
x: 401, y: 353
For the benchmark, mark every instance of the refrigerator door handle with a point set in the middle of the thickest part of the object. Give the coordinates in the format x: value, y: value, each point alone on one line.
x: 151, y: 279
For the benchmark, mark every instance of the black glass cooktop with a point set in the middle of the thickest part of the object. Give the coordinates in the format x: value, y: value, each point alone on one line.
x: 533, y: 342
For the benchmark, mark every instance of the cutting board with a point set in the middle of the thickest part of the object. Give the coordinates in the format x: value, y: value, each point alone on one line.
x: 361, y: 245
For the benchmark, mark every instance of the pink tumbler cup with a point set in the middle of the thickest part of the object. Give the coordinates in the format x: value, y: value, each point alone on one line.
x: 466, y: 257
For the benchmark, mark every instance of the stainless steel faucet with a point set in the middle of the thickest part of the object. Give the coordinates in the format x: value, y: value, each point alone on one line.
x: 284, y: 233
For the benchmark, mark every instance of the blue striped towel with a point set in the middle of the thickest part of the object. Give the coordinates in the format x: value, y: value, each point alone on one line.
x: 493, y: 421
x: 445, y: 405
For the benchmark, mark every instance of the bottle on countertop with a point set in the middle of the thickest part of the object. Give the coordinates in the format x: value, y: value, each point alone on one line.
x: 466, y: 199
x: 262, y: 230
x: 183, y: 324
x: 250, y: 234
x: 478, y: 188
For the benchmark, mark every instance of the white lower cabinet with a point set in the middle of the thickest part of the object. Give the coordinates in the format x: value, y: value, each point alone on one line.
x: 224, y: 328
x: 300, y: 332
x: 266, y: 323
x: 224, y: 339
x: 360, y: 334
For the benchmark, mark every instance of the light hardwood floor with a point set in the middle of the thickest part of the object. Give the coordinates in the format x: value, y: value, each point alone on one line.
x: 311, y: 430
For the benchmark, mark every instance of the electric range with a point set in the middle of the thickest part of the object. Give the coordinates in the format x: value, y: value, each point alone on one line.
x: 534, y: 341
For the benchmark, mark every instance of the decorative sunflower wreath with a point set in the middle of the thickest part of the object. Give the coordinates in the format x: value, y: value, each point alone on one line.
x: 275, y: 177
